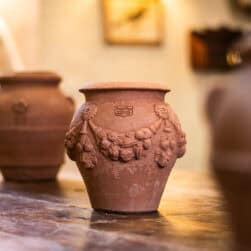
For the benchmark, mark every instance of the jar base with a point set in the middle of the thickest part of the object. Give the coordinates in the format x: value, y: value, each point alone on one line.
x: 29, y: 173
x: 110, y: 211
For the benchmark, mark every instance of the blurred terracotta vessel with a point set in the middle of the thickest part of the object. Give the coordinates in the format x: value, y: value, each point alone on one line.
x: 125, y: 141
x: 34, y: 116
x: 229, y: 109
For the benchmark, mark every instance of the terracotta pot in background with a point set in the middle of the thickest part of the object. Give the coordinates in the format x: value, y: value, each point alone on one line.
x: 229, y: 109
x: 34, y: 116
x: 125, y: 141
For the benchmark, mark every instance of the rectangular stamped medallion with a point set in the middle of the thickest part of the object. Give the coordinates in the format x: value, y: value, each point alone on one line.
x: 123, y: 110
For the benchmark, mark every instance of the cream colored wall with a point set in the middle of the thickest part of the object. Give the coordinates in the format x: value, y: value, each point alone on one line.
x: 22, y: 17
x: 66, y: 36
x: 72, y: 44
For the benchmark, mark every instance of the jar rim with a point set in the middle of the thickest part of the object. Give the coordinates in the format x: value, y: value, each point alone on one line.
x: 92, y: 86
x: 30, y: 76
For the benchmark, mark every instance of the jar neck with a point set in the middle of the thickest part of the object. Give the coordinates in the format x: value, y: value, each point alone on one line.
x: 100, y: 96
x: 26, y: 78
x: 28, y: 85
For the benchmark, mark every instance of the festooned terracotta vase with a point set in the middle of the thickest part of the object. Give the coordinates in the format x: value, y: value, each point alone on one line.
x: 34, y: 117
x: 229, y: 110
x: 125, y: 141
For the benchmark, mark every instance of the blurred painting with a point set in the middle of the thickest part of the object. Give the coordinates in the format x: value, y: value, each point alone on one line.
x: 133, y: 21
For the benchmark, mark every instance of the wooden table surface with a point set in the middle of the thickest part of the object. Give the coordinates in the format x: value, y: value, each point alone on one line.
x: 56, y: 216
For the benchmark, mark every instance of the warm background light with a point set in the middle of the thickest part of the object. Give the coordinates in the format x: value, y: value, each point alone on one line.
x: 66, y: 36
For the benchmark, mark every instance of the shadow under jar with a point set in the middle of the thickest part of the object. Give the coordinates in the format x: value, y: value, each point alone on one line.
x: 34, y: 117
x: 125, y: 141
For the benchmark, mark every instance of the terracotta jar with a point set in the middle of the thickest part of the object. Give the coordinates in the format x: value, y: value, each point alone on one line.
x: 34, y: 116
x: 229, y: 109
x: 125, y: 141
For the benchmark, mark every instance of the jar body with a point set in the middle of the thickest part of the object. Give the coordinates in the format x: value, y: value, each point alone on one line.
x: 33, y: 120
x: 125, y: 143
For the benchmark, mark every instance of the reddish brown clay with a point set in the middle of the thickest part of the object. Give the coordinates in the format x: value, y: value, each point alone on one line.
x: 125, y: 141
x: 34, y: 116
x: 230, y: 114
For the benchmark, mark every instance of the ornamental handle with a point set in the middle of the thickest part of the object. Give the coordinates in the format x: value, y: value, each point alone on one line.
x: 70, y: 100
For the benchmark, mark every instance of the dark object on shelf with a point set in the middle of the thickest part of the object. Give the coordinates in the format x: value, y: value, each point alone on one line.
x: 125, y: 141
x: 34, y: 117
x: 229, y: 110
x: 210, y: 49
x: 243, y: 6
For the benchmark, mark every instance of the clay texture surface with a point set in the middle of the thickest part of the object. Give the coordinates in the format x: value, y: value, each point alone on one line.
x: 34, y: 116
x: 125, y: 143
x: 229, y: 109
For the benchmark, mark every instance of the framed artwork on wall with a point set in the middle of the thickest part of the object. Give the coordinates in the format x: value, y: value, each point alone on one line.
x: 133, y: 22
